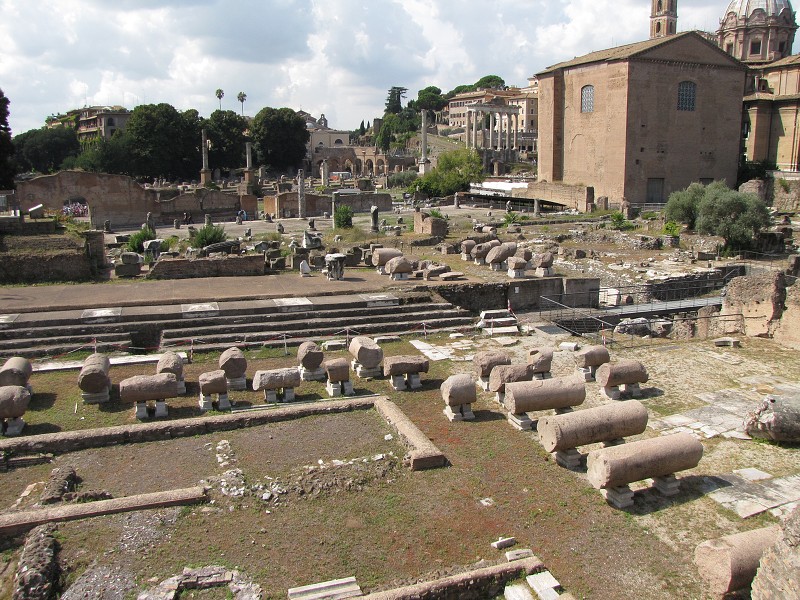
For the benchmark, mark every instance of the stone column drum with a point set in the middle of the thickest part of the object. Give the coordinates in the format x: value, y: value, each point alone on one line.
x: 277, y: 380
x: 730, y: 563
x: 590, y: 359
x: 310, y: 357
x: 486, y: 361
x: 171, y: 362
x: 542, y: 361
x: 141, y: 389
x: 562, y: 434
x: 93, y: 380
x: 367, y: 356
x: 612, y: 469
x: 399, y: 268
x: 404, y: 371
x: 213, y: 382
x: 558, y: 393
x: 505, y: 374
x: 14, y: 401
x: 621, y: 376
x: 234, y: 363
x: 466, y: 249
x: 338, y: 372
x: 16, y: 371
x: 380, y: 256
x: 459, y: 394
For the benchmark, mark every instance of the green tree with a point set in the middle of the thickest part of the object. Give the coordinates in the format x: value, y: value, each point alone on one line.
x: 44, y: 150
x: 455, y: 171
x: 7, y: 165
x: 241, y: 97
x: 164, y: 142
x: 682, y: 206
x: 735, y: 217
x: 384, y: 137
x: 107, y: 156
x: 459, y: 89
x: 220, y: 95
x: 491, y: 82
x: 430, y: 98
x: 343, y: 217
x: 225, y: 131
x: 280, y: 137
x: 394, y: 100
x: 361, y: 129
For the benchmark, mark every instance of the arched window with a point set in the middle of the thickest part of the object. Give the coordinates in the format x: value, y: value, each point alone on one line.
x: 659, y: 6
x: 110, y: 122
x: 672, y: 27
x: 587, y: 99
x: 687, y: 95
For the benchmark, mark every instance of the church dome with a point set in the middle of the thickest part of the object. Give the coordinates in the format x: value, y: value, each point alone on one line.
x: 745, y: 8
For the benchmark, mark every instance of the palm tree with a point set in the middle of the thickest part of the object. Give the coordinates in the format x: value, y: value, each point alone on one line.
x: 241, y: 97
x: 219, y: 94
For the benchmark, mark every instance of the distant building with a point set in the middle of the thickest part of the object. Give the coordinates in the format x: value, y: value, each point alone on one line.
x: 93, y: 122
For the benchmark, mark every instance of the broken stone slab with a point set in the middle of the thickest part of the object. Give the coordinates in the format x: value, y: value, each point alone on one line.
x: 93, y: 379
x: 16, y: 371
x: 600, y: 424
x: 337, y: 588
x: 423, y: 453
x: 569, y: 346
x: 334, y: 345
x: 777, y: 419
x: 618, y: 466
x: 451, y: 275
x: 729, y: 563
x: 519, y: 554
x: 517, y: 591
x: 541, y: 359
x: 503, y: 543
x: 728, y: 341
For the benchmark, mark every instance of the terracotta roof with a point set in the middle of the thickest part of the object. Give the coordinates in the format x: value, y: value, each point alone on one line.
x: 794, y: 59
x: 628, y: 51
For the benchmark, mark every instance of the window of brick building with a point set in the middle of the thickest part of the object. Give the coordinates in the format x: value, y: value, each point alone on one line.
x: 587, y: 99
x: 687, y: 95
x: 755, y: 47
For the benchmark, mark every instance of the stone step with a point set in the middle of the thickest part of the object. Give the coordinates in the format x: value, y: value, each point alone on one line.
x: 9, y: 345
x: 41, y: 348
x: 315, y: 322
x: 327, y: 590
x: 502, y: 331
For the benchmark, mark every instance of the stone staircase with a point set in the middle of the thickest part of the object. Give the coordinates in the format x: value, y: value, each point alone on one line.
x: 216, y: 326
x: 498, y: 322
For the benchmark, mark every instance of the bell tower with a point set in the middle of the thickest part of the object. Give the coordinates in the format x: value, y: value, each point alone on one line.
x: 663, y: 18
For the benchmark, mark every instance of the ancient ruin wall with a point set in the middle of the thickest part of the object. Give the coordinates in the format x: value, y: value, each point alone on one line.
x: 788, y: 331
x: 759, y: 299
x: 572, y: 196
x: 228, y: 266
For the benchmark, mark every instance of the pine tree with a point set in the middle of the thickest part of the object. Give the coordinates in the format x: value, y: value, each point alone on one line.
x: 7, y: 170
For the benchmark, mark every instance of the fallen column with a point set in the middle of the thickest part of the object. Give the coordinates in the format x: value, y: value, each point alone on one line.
x: 310, y: 357
x: 404, y: 371
x: 381, y: 256
x: 459, y: 394
x: 93, y: 380
x: 562, y: 434
x: 16, y: 371
x: 730, y: 563
x: 590, y: 359
x: 486, y: 361
x: 505, y: 374
x: 338, y: 371
x: 619, y: 377
x: 234, y: 363
x: 170, y: 362
x: 543, y: 263
x: 558, y: 393
x: 612, y: 469
x: 275, y: 381
x: 399, y: 268
x: 211, y: 383
x: 141, y: 389
x: 14, y: 401
x: 367, y: 356
x: 466, y: 249
x: 542, y: 361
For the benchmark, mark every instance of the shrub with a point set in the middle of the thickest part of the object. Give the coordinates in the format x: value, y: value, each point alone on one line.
x: 209, y: 234
x: 617, y: 220
x: 343, y: 217
x: 784, y: 184
x: 403, y: 179
x: 510, y: 218
x: 733, y: 216
x: 137, y: 240
x: 672, y: 228
x: 436, y: 213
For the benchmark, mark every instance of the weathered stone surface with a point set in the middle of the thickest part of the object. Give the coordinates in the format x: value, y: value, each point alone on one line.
x: 620, y: 465
x: 233, y: 362
x: 93, y: 377
x: 592, y: 356
x: 310, y: 356
x: 381, y: 256
x: 467, y: 246
x: 517, y: 264
x: 778, y: 576
x: 621, y: 372
x: 777, y: 418
x: 759, y: 299
x: 639, y: 326
x: 600, y: 424
x: 544, y: 394
x: 503, y: 374
x: 423, y: 453
x: 170, y: 362
x: 37, y: 571
x: 500, y: 253
x: 403, y: 364
x: 16, y: 371
x: 399, y: 264
x: 141, y: 388
x: 213, y: 382
x: 459, y: 389
x: 61, y: 480
x: 543, y: 261
x: 486, y: 361
x: 525, y: 254
x: 338, y: 369
x: 276, y: 379
x: 366, y: 351
x: 14, y: 401
x: 541, y: 359
x: 481, y: 250
x: 130, y: 258
x: 729, y: 563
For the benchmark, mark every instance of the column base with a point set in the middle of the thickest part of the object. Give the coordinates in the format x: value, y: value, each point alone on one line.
x: 312, y: 375
x: 619, y: 497
x: 522, y: 421
x: 98, y: 398
x: 569, y: 459
x: 14, y: 427
x: 667, y: 485
x: 237, y: 383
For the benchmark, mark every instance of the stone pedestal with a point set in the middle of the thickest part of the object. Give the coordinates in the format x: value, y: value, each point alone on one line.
x: 480, y: 261
x: 206, y: 402
x: 97, y: 398
x: 543, y: 376
x: 339, y: 388
x: 380, y: 270
x: 414, y: 381
x: 587, y: 373
x: 161, y: 409
x: 409, y: 381
x: 312, y: 374
x: 399, y: 276
x: 569, y: 459
x: 516, y: 273
x: 483, y: 383
x: 668, y: 485
x: 239, y: 383
x: 398, y: 383
x: 545, y: 272
x: 612, y: 393
x: 14, y: 427
x: 364, y: 372
x: 618, y: 497
x: 521, y: 421
x: 181, y: 386
x: 205, y: 177
x: 465, y: 256
x: 631, y: 388
x: 459, y: 413
x: 497, y: 266
x: 499, y: 397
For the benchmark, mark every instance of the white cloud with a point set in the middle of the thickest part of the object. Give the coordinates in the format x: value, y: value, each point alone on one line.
x: 333, y: 56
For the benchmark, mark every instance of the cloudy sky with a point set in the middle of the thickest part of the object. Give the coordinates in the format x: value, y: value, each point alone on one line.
x: 337, y: 57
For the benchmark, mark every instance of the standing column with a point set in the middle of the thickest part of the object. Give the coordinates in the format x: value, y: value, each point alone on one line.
x: 516, y: 131
x: 424, y: 163
x: 248, y: 172
x: 468, y: 128
x: 301, y: 194
x: 205, y: 172
x: 491, y: 131
x: 508, y: 131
